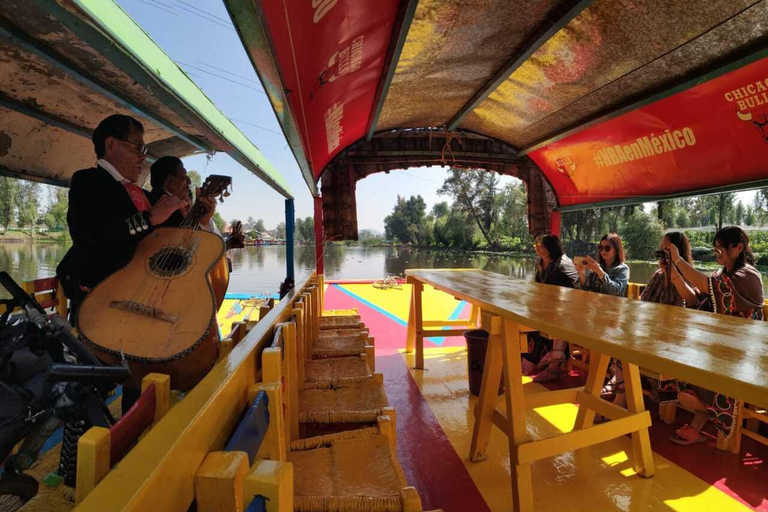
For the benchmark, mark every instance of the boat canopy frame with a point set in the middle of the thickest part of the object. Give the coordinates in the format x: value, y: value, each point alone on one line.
x: 572, y: 87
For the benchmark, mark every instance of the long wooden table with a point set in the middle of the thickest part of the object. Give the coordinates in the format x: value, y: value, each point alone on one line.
x: 721, y: 353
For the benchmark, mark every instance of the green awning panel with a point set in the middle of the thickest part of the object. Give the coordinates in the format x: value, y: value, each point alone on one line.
x: 67, y: 65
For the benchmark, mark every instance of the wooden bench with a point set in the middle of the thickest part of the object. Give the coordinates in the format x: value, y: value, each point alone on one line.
x: 647, y: 335
x: 265, y: 465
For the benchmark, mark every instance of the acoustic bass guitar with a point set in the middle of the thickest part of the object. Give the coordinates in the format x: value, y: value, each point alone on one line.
x: 160, y: 309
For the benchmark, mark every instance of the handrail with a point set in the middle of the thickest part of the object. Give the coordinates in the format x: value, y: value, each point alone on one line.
x: 158, y: 474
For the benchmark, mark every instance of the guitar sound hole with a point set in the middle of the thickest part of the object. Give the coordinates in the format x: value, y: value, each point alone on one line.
x: 170, y: 261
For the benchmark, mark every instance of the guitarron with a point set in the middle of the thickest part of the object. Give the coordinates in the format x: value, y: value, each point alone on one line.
x: 159, y: 311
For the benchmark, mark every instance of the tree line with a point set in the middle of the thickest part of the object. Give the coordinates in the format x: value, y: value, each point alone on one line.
x: 304, y: 229
x: 485, y: 216
x: 21, y: 205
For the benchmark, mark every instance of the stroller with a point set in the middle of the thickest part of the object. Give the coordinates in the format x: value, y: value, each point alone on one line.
x: 47, y: 378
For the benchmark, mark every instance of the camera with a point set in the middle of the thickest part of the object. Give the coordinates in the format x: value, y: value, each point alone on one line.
x: 662, y: 255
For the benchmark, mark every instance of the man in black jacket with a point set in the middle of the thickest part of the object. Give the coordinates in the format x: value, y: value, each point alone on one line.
x: 109, y: 214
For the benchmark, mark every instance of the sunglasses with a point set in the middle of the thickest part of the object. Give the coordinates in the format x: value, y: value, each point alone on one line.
x: 604, y: 248
x: 140, y: 148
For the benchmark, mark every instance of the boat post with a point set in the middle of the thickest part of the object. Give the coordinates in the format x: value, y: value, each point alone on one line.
x: 555, y: 221
x: 319, y: 235
x: 289, y: 221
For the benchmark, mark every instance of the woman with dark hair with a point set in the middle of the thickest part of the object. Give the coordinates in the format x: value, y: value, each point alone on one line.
x: 667, y: 286
x: 608, y: 275
x: 552, y: 267
x: 736, y: 289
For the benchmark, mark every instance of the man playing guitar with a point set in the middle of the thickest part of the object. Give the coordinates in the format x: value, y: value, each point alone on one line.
x: 109, y: 213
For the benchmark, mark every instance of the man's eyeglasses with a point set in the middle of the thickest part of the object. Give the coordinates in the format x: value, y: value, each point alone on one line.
x: 140, y: 148
x: 604, y: 248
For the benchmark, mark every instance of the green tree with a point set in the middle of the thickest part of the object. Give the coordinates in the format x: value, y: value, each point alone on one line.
x: 219, y: 222
x: 407, y: 220
x: 474, y: 191
x: 195, y: 180
x: 305, y: 230
x: 513, y: 211
x: 455, y: 230
x: 739, y: 214
x: 441, y: 209
x: 641, y: 234
x: 28, y: 203
x: 58, y: 204
x: 749, y: 217
x: 279, y: 231
x: 9, y: 189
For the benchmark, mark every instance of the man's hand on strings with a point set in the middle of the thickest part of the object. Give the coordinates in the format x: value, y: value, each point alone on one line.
x: 210, y: 207
x: 164, y: 208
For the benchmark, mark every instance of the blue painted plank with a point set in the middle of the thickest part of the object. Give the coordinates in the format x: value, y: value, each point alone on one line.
x: 252, y: 428
x: 259, y: 504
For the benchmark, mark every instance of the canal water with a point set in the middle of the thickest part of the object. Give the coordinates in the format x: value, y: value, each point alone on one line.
x: 259, y: 270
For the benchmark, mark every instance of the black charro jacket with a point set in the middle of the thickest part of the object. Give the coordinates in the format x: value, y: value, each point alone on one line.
x: 104, y: 225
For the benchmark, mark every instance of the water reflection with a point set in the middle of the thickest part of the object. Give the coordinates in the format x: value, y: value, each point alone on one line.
x: 262, y: 269
x: 30, y: 261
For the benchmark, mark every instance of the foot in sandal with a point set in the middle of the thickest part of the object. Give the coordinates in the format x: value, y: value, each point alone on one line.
x: 687, y: 435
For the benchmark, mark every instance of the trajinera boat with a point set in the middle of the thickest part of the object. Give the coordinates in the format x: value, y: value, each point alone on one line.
x: 354, y: 396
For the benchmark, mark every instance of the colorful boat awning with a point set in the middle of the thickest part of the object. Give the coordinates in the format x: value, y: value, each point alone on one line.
x: 65, y: 66
x: 607, y: 73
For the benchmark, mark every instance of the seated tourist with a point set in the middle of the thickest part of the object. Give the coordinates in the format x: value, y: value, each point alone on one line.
x: 737, y: 290
x: 666, y: 286
x: 608, y: 275
x: 552, y: 267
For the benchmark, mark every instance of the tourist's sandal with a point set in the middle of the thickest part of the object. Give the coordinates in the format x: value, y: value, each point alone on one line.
x: 681, y: 437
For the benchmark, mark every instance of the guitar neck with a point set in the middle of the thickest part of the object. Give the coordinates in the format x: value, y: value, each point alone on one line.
x: 195, y: 215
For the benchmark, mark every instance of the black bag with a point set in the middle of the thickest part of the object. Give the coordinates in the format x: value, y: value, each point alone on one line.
x: 24, y: 386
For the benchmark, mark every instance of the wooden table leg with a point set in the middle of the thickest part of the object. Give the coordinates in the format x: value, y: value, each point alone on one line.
x: 418, y: 324
x: 474, y: 316
x: 522, y: 488
x: 641, y: 442
x: 410, y: 337
x: 486, y: 403
x: 598, y: 365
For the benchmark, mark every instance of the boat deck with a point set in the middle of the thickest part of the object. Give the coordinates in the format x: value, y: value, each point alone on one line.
x: 435, y: 427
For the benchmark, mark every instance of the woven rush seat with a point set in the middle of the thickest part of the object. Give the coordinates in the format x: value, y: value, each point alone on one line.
x: 339, y: 332
x: 355, y: 471
x: 336, y: 371
x: 340, y: 345
x: 356, y: 402
x: 340, y: 322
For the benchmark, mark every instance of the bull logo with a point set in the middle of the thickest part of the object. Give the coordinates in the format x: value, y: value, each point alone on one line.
x: 759, y: 119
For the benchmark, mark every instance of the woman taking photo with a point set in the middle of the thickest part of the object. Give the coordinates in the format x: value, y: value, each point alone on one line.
x: 552, y: 267
x: 737, y: 290
x: 608, y: 275
x: 667, y: 286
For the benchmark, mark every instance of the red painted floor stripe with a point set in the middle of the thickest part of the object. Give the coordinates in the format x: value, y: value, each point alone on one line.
x: 428, y: 459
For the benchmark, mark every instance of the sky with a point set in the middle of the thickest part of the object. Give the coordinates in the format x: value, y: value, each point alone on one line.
x: 199, y: 36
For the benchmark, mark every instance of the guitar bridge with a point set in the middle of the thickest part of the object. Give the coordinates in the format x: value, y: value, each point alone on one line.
x: 143, y: 310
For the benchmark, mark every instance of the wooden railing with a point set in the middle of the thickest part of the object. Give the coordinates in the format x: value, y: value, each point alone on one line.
x: 159, y: 473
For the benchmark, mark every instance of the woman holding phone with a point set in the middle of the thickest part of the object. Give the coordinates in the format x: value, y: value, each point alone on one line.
x: 736, y: 289
x: 608, y: 275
